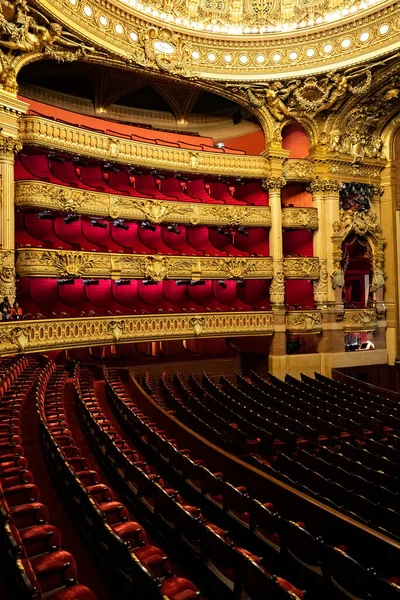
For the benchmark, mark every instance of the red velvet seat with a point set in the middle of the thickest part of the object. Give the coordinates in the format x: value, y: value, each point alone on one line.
x: 198, y: 238
x: 252, y: 193
x: 74, y: 592
x: 53, y: 570
x: 178, y: 588
x: 171, y: 187
x: 197, y: 189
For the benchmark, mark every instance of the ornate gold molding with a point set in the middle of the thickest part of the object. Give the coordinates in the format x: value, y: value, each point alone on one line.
x: 55, y: 334
x: 9, y: 146
x: 67, y: 263
x: 301, y: 268
x: 325, y: 186
x: 40, y: 195
x: 298, y: 169
x: 67, y: 138
x: 277, y: 287
x: 274, y: 183
x: 7, y: 274
x: 360, y: 320
x: 309, y: 321
x: 284, y: 53
x: 300, y: 218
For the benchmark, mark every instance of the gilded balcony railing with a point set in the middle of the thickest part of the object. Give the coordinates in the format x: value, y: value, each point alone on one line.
x: 56, y: 334
x: 40, y: 131
x: 40, y: 195
x: 362, y: 319
x: 301, y: 268
x: 37, y: 262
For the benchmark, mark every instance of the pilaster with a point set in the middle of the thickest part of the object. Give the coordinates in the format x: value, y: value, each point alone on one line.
x: 10, y: 110
x: 274, y: 187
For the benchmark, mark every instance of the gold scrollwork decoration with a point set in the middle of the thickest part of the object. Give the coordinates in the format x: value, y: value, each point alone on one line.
x: 40, y: 195
x: 300, y: 218
x: 301, y: 268
x: 304, y: 321
x: 360, y: 320
x: 67, y: 263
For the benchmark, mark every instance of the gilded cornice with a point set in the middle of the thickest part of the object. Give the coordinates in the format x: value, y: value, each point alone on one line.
x: 67, y: 263
x: 299, y: 218
x: 285, y: 53
x: 309, y: 321
x: 301, y: 268
x: 40, y: 195
x: 9, y: 146
x: 360, y: 320
x: 67, y: 138
x: 56, y: 334
x: 331, y: 168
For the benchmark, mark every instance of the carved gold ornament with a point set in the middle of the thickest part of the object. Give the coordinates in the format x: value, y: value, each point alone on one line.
x: 301, y: 268
x: 360, y: 320
x: 304, y: 321
x: 67, y: 263
x: 40, y: 195
x: 277, y: 288
x: 52, y: 334
x: 7, y: 275
x: 300, y: 218
x: 298, y: 170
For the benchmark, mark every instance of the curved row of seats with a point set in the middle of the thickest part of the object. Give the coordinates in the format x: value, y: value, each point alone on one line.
x: 48, y: 297
x: 343, y: 572
x: 36, y: 565
x: 48, y: 230
x: 139, y: 133
x: 120, y: 543
x: 316, y: 421
x: 206, y: 541
x: 116, y: 179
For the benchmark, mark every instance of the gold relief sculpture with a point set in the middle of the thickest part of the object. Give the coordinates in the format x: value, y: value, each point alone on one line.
x: 301, y: 268
x: 9, y: 146
x: 298, y: 170
x: 67, y: 138
x: 277, y: 288
x: 300, y: 218
x: 321, y: 285
x: 360, y: 320
x: 37, y: 194
x: 52, y: 334
x: 67, y: 263
x: 325, y: 186
x: 7, y: 275
x: 304, y: 321
x: 361, y: 223
x: 273, y: 183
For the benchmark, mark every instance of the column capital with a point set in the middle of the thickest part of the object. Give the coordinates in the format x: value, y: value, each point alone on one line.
x: 325, y: 186
x: 273, y: 183
x: 8, y: 146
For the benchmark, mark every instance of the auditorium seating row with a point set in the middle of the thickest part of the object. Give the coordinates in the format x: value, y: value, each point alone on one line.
x: 140, y: 133
x: 344, y: 574
x: 120, y: 543
x: 48, y: 297
x: 116, y: 179
x: 208, y: 542
x: 362, y: 492
x: 49, y: 230
x: 33, y: 561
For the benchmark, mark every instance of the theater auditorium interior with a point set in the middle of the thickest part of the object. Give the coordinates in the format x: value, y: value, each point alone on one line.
x: 199, y: 298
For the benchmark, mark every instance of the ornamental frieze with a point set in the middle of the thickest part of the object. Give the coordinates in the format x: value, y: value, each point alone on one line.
x: 360, y: 320
x: 301, y: 268
x: 66, y: 263
x: 298, y: 170
x: 52, y: 334
x: 7, y: 275
x: 300, y: 218
x: 309, y: 321
x: 40, y: 195
x: 67, y: 138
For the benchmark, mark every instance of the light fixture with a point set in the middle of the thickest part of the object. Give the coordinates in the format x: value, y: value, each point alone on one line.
x: 65, y: 281
x: 96, y: 223
x: 90, y: 282
x: 46, y: 214
x: 122, y: 282
x: 119, y: 223
x: 173, y: 228
x: 149, y: 281
x: 148, y: 225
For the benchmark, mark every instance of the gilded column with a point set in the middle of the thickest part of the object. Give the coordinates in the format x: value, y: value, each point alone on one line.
x: 274, y: 186
x: 277, y: 352
x: 10, y: 110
